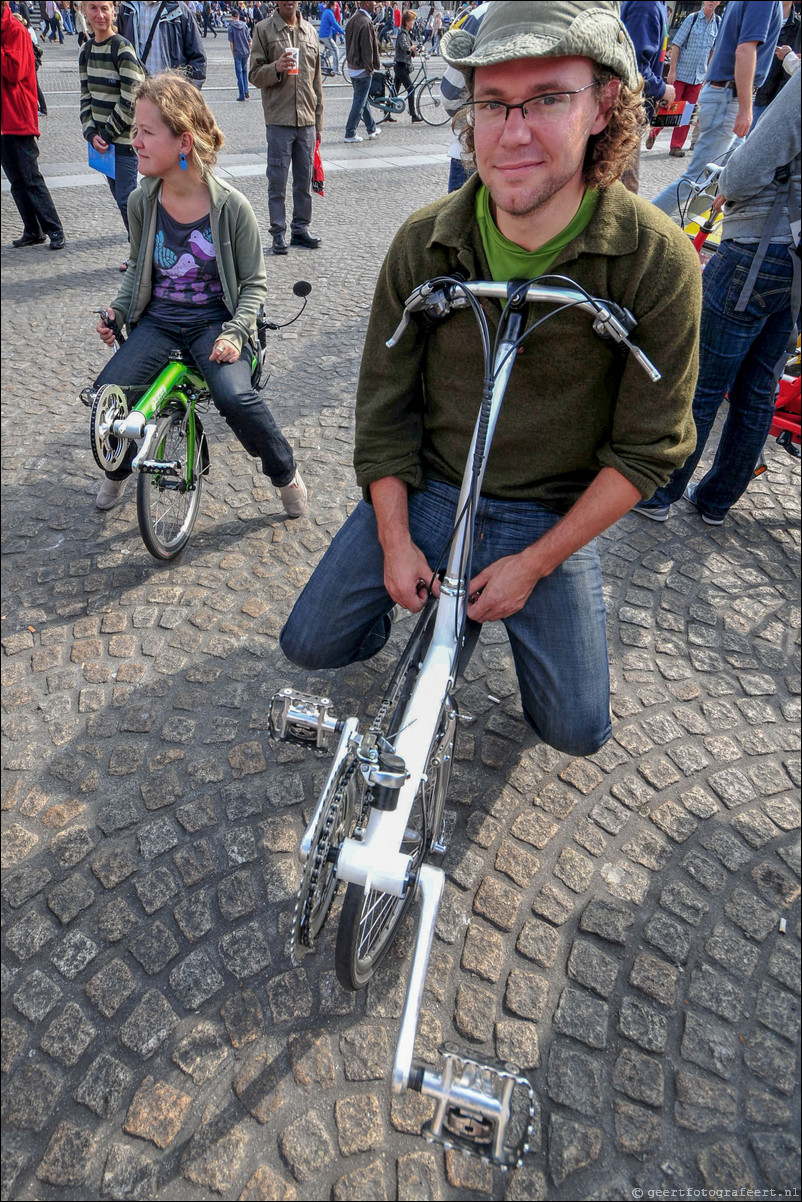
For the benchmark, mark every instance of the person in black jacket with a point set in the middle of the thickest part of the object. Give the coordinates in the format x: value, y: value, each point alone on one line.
x: 176, y: 42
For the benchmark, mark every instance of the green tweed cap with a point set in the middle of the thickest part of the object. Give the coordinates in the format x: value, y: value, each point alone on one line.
x: 515, y: 29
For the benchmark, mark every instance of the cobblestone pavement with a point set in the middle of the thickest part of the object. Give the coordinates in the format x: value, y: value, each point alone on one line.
x: 624, y: 927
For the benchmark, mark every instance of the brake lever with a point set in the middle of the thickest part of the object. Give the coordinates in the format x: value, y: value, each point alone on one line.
x: 111, y: 325
x: 415, y: 301
x: 608, y: 325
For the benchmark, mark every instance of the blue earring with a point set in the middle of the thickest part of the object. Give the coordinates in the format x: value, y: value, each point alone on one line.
x: 182, y: 161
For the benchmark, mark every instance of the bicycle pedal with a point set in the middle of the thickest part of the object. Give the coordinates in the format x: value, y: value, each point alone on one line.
x: 477, y: 1101
x: 297, y: 717
x: 171, y: 467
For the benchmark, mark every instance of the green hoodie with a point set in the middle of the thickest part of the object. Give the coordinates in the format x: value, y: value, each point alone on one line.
x: 574, y: 403
x: 240, y: 258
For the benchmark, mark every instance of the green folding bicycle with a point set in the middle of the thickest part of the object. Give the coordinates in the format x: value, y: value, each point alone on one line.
x: 173, y: 455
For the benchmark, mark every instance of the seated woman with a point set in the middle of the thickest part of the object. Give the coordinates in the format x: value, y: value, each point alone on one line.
x: 196, y: 281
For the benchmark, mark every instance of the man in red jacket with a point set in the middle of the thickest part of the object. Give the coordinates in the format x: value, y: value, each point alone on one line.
x: 19, y: 129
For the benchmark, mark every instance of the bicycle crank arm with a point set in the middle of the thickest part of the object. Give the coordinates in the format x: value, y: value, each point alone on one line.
x: 430, y: 884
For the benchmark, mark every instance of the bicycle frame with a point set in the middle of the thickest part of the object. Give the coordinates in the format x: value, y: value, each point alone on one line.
x: 375, y: 861
x: 177, y: 382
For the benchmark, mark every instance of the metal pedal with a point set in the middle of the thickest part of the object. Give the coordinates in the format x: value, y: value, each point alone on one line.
x: 476, y: 1101
x: 297, y: 717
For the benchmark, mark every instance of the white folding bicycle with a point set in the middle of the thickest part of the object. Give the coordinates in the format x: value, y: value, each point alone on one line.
x: 381, y: 811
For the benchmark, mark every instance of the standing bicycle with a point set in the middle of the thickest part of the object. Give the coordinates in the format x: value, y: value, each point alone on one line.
x: 577, y: 442
x: 196, y: 283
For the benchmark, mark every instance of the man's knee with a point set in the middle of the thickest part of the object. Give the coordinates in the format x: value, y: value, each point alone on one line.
x: 576, y: 734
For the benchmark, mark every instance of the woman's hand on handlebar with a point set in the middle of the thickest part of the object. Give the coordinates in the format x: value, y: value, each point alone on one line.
x: 224, y: 351
x: 105, y: 332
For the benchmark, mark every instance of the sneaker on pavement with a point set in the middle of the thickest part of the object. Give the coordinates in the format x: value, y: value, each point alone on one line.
x: 375, y: 133
x: 293, y: 496
x: 655, y: 513
x: 111, y: 493
x: 690, y: 495
x: 356, y: 138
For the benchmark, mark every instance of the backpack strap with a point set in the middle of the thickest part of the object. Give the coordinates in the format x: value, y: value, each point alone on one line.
x: 783, y: 178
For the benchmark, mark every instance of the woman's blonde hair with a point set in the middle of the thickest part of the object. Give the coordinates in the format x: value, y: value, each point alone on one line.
x: 83, y: 6
x: 183, y: 110
x: 608, y: 153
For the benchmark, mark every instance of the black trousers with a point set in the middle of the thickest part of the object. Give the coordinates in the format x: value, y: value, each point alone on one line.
x: 19, y: 153
x: 403, y: 79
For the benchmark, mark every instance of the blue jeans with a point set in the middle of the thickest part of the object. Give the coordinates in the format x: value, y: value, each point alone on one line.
x: 360, y: 109
x: 124, y: 182
x: 558, y: 639
x: 718, y: 109
x: 738, y: 357
x: 147, y: 350
x: 241, y: 68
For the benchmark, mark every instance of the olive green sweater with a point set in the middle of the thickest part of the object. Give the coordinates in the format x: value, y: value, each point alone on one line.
x: 574, y: 404
x: 240, y: 258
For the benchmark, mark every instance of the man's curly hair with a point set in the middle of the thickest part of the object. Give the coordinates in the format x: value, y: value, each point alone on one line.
x: 609, y: 153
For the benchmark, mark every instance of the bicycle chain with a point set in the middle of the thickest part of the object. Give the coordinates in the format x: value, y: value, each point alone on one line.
x: 500, y: 1071
x: 308, y: 898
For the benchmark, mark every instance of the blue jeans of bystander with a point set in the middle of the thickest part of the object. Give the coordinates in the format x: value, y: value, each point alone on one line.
x: 738, y: 356
x: 360, y: 109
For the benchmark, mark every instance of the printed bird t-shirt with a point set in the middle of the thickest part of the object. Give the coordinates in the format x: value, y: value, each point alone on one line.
x: 186, y: 282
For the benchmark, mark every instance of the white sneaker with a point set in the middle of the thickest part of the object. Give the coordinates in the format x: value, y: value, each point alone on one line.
x: 356, y: 138
x: 111, y: 493
x: 375, y: 133
x: 293, y: 496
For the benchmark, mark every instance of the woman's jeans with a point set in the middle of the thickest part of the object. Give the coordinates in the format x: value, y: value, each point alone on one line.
x: 558, y: 639
x: 403, y: 79
x: 360, y: 109
x: 146, y: 352
x: 124, y: 182
x: 241, y: 69
x: 738, y: 357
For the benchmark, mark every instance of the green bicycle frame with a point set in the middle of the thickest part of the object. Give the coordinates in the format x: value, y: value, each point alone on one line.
x: 168, y: 387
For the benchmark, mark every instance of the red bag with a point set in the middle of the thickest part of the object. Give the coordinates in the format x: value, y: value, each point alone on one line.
x: 318, y: 178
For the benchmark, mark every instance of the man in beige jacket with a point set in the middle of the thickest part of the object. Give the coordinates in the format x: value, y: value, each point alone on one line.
x: 285, y: 66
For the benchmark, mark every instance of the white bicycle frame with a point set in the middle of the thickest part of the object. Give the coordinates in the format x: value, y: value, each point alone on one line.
x: 375, y: 861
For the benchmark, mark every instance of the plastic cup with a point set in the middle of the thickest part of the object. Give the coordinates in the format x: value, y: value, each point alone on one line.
x: 296, y: 54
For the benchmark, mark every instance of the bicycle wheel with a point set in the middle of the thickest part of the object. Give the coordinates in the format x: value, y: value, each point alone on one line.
x: 380, y: 114
x: 166, y: 507
x: 344, y: 70
x: 369, y: 921
x: 430, y: 103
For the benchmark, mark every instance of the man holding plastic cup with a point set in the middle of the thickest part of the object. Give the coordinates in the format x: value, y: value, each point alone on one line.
x: 285, y: 66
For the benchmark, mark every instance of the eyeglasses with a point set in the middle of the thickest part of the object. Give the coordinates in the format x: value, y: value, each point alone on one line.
x: 538, y: 110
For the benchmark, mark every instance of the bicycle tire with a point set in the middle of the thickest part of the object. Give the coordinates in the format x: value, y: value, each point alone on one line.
x: 369, y: 921
x: 430, y: 103
x: 380, y: 115
x: 166, y: 513
x: 344, y: 70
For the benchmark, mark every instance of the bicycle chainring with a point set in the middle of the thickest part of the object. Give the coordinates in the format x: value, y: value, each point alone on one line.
x: 110, y: 405
x: 335, y: 823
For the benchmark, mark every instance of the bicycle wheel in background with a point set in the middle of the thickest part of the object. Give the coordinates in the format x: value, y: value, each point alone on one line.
x: 430, y: 103
x: 344, y: 69
x: 166, y: 507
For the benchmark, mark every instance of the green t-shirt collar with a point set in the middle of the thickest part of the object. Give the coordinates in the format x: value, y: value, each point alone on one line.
x: 507, y: 260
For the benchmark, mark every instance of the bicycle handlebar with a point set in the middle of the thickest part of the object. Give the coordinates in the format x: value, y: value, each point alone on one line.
x: 437, y: 301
